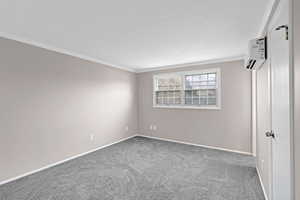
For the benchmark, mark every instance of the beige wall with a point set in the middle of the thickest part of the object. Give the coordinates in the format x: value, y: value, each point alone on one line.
x: 228, y: 128
x: 296, y: 33
x: 50, y: 104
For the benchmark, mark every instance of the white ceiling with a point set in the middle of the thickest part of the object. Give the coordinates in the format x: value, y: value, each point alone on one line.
x: 137, y: 34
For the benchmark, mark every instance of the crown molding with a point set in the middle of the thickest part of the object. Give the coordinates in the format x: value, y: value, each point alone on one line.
x: 130, y: 69
x: 61, y: 50
x: 205, y: 62
x: 271, y: 8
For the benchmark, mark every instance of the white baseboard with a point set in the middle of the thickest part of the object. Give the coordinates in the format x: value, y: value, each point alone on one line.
x: 63, y: 161
x: 262, y: 184
x: 199, y: 145
x: 93, y: 150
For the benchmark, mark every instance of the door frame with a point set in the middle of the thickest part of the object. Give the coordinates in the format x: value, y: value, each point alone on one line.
x: 273, y: 7
x: 271, y: 27
x: 292, y: 92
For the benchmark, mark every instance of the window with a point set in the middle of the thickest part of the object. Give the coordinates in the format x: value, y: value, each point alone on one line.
x: 192, y: 89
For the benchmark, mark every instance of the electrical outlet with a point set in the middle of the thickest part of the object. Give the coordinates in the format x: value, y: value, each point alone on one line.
x: 92, y: 137
x: 126, y: 128
x: 154, y: 127
x: 151, y: 127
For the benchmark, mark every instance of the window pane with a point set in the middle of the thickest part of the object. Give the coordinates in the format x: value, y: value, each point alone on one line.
x: 159, y: 94
x: 169, y: 83
x: 203, y: 101
x: 196, y: 93
x: 204, y: 77
x: 211, y: 82
x: 172, y: 84
x: 177, y: 100
x: 188, y: 94
x: 168, y: 97
x: 165, y: 94
x: 200, y: 81
x: 211, y: 101
x: 196, y: 101
x: 203, y: 83
x: 188, y: 82
x: 177, y: 94
x: 200, y: 89
x: 195, y: 78
x: 201, y: 97
x: 188, y: 101
x: 171, y: 101
x: 203, y: 93
x: 159, y: 101
x: 211, y: 93
x: 165, y: 101
x: 212, y: 76
x: 162, y: 84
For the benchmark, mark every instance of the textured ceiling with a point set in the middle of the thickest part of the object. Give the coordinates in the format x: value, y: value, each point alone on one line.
x: 138, y: 34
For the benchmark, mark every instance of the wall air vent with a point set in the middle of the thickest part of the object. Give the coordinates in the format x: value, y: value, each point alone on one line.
x: 257, y: 53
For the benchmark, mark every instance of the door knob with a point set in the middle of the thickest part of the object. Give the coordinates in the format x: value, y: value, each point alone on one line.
x: 270, y: 134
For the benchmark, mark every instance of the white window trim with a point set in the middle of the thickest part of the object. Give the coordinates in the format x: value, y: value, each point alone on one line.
x: 182, y: 74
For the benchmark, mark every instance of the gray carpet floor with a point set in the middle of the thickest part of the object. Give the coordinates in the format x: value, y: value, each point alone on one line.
x: 144, y: 169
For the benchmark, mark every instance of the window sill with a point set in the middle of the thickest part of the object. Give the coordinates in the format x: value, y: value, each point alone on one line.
x: 190, y: 107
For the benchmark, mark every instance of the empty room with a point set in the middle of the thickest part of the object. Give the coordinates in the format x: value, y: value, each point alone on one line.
x: 150, y: 100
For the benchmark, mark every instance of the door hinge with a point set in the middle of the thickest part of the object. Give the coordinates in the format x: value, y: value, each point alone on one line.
x: 286, y: 27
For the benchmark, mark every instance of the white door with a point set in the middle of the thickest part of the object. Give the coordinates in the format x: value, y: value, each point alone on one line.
x: 280, y: 103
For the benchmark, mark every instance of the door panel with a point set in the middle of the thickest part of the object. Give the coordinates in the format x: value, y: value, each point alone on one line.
x: 280, y: 104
